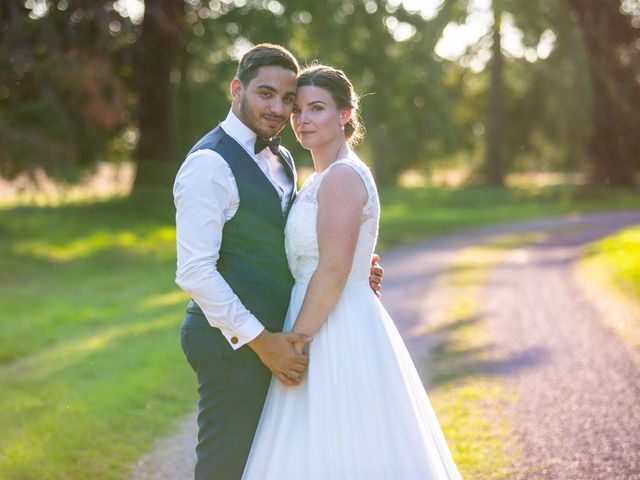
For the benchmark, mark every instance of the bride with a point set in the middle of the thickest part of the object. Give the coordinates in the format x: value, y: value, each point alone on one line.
x: 362, y: 411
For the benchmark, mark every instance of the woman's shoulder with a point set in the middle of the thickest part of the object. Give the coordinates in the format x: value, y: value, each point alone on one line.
x: 341, y: 171
x: 347, y: 176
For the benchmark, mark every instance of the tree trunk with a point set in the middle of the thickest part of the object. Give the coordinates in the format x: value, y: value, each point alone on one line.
x: 494, y: 163
x: 183, y: 99
x: 381, y: 170
x: 613, y: 48
x: 159, y: 41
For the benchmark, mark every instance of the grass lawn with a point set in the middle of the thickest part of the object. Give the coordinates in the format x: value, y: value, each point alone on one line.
x: 620, y: 255
x: 90, y: 366
x: 612, y: 266
x: 91, y: 370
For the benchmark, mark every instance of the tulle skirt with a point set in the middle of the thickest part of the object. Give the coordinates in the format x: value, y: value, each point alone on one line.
x: 360, y: 413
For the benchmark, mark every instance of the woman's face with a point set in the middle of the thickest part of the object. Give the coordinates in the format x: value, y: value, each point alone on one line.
x: 316, y: 119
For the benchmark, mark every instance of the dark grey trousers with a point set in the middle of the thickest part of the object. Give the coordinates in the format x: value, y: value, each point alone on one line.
x: 232, y: 386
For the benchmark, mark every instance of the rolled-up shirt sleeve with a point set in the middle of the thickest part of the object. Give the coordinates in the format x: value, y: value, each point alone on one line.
x: 205, y: 196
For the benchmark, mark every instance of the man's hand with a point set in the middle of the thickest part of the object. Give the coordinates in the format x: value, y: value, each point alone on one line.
x: 375, y: 275
x: 277, y: 352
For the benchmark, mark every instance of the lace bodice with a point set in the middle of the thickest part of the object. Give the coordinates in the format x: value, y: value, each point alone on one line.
x: 301, y: 241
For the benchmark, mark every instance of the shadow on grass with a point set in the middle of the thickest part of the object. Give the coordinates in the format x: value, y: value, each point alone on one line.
x: 84, y: 337
x: 451, y: 360
x: 70, y: 272
x: 65, y: 222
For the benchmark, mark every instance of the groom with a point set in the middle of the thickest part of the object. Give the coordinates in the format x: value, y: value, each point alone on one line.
x: 232, y: 196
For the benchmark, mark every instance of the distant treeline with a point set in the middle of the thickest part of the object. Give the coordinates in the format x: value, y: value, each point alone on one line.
x: 83, y: 80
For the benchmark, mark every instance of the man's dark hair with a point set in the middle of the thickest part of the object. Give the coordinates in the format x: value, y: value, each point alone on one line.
x: 262, y: 55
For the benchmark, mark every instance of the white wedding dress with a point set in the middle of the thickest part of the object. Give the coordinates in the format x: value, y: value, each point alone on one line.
x: 361, y: 412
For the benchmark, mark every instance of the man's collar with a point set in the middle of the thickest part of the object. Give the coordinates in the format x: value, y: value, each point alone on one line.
x: 239, y: 131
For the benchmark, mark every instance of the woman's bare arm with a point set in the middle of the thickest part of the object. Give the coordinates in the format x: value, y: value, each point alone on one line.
x: 341, y: 197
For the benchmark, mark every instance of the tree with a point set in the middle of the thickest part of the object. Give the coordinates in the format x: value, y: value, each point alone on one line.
x: 155, y: 55
x: 494, y: 169
x: 61, y: 102
x: 547, y: 106
x: 535, y: 104
x: 75, y: 76
x: 404, y: 107
x: 613, y: 45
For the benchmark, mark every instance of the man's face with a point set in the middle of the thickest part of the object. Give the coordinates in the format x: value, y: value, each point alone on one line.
x: 265, y: 104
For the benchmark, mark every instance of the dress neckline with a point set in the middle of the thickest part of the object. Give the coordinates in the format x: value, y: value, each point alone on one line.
x: 337, y: 160
x: 311, y: 178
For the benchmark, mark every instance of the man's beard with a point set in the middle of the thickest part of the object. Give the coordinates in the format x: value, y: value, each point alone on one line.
x: 251, y: 121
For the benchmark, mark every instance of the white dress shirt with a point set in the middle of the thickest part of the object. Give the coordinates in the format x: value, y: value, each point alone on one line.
x: 206, y: 196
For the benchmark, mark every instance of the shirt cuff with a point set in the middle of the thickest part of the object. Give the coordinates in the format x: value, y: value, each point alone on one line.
x: 246, y: 332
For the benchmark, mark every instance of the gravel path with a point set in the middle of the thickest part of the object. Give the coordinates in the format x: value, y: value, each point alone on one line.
x: 578, y: 413
x: 573, y: 439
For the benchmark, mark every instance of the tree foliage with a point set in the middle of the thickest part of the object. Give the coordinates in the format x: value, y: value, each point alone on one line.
x: 60, y: 100
x: 82, y: 80
x: 611, y: 34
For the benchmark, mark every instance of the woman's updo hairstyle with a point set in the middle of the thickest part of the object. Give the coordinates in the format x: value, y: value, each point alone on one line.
x: 341, y: 89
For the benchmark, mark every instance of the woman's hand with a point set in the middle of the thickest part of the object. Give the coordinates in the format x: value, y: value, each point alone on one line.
x: 299, y: 348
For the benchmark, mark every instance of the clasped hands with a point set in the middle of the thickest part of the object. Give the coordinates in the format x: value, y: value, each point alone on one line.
x: 284, y: 353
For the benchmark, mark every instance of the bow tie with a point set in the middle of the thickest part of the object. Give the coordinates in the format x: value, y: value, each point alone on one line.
x: 261, y: 144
